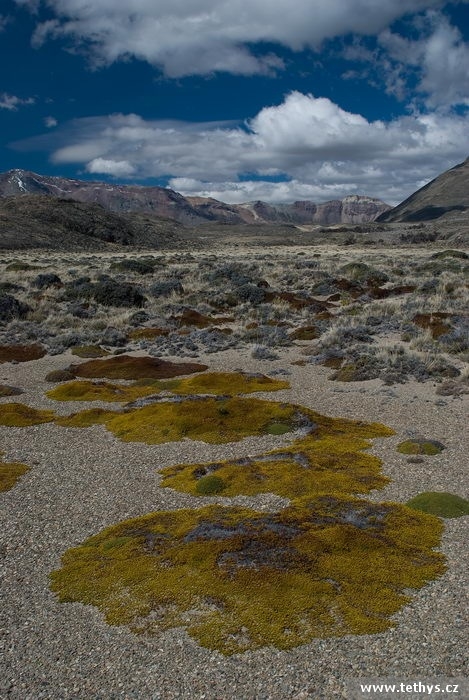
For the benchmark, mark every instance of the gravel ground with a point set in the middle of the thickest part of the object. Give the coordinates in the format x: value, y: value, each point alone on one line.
x: 82, y: 481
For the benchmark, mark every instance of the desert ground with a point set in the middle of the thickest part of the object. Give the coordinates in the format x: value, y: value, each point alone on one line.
x: 367, y: 332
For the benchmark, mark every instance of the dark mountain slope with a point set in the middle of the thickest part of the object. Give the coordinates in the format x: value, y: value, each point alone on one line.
x: 37, y: 221
x: 444, y: 197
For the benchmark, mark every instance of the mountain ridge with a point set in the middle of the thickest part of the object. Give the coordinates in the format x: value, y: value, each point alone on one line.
x: 165, y: 203
x: 446, y: 196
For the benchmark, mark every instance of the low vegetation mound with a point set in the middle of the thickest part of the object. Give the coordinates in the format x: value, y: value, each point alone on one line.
x: 10, y: 472
x: 214, y: 383
x: 207, y: 419
x: 420, y: 446
x: 445, y: 505
x: 329, y: 459
x: 127, y: 367
x: 6, y: 390
x: 87, y: 351
x: 20, y: 415
x: 21, y: 353
x: 237, y: 579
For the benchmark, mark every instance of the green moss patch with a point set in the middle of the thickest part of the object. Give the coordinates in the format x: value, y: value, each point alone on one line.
x: 127, y: 367
x: 19, y: 415
x: 89, y: 351
x: 18, y: 266
x: 21, y: 353
x: 10, y: 472
x: 450, y: 253
x: 420, y: 446
x: 237, y: 579
x: 445, y: 505
x: 6, y: 390
x: 210, y: 485
x: 59, y: 375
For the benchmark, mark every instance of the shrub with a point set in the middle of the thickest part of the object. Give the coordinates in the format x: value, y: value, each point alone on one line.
x: 141, y: 267
x: 360, y: 272
x: 251, y: 293
x: 47, y: 280
x: 112, y: 293
x: 11, y: 307
x: 165, y: 288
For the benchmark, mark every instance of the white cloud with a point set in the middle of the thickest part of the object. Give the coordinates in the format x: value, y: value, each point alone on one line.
x: 440, y: 60
x: 206, y: 36
x: 117, y: 168
x: 12, y: 102
x: 238, y: 192
x: 322, y: 150
x: 50, y: 122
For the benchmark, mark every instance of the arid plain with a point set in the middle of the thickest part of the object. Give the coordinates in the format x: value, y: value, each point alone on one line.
x: 276, y: 340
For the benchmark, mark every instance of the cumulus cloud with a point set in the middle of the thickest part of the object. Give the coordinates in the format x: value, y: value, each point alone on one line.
x: 312, y: 147
x: 439, y: 60
x: 206, y: 36
x: 50, y: 122
x: 12, y: 102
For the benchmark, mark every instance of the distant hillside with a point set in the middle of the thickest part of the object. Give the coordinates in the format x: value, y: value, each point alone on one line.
x: 34, y: 221
x: 444, y: 197
x: 190, y: 211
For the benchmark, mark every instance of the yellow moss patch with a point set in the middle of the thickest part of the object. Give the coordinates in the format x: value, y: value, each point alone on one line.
x: 208, y: 420
x: 10, y: 472
x: 224, y: 383
x: 19, y: 415
x: 216, y: 383
x: 328, y: 460
x: 237, y: 579
x: 85, y: 419
x: 330, y: 564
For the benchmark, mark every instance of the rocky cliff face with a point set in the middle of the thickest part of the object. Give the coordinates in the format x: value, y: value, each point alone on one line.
x: 444, y: 197
x: 190, y: 211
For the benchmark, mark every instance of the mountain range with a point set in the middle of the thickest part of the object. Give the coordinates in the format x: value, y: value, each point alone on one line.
x: 190, y: 211
x: 58, y: 213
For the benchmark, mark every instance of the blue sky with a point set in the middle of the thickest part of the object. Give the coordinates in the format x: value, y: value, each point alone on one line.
x: 279, y: 100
